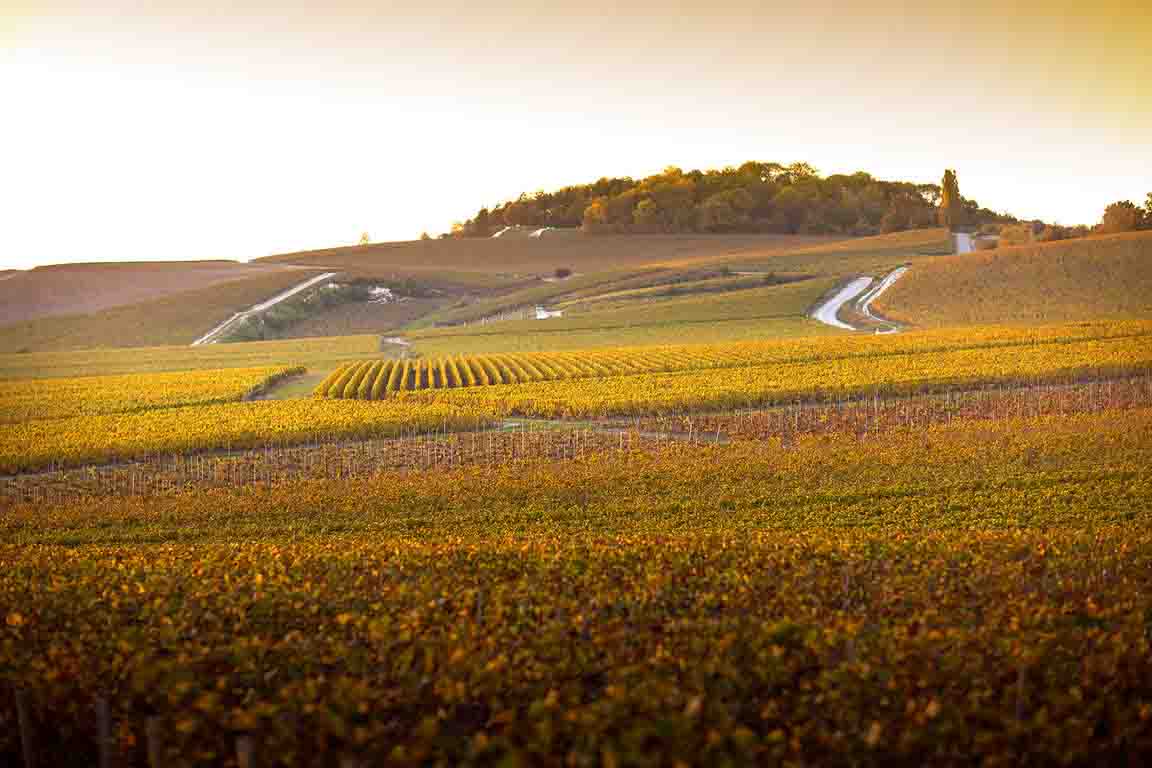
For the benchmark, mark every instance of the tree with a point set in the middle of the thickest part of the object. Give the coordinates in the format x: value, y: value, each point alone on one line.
x: 646, y: 216
x: 952, y: 214
x: 523, y: 212
x: 1148, y: 210
x: 425, y: 236
x: 364, y: 239
x: 595, y: 218
x: 482, y: 225
x: 895, y: 220
x: 1121, y: 216
x: 921, y: 218
x: 753, y: 197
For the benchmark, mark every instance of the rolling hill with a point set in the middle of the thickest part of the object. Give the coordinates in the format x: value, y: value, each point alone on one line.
x: 176, y: 317
x: 81, y: 289
x: 1092, y: 278
x: 542, y: 256
x: 76, y: 306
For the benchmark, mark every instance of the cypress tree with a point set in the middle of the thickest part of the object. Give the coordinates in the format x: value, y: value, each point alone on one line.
x: 951, y: 207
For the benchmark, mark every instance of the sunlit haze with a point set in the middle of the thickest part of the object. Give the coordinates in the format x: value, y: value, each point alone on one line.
x: 181, y: 130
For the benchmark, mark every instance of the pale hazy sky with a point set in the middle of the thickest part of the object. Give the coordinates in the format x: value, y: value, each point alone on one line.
x: 174, y: 130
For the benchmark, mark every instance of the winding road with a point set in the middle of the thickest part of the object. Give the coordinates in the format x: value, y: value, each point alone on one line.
x: 861, y: 292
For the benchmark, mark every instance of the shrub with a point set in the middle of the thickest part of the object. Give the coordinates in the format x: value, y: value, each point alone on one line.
x: 1122, y: 216
x: 1016, y: 234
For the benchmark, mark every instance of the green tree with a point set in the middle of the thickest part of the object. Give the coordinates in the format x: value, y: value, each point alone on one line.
x: 595, y: 218
x: 1148, y: 210
x: 895, y: 220
x: 646, y: 217
x: 1121, y: 216
x: 952, y: 213
x: 482, y: 225
x: 523, y: 212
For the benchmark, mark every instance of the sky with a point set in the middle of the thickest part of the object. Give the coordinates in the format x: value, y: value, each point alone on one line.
x: 194, y: 130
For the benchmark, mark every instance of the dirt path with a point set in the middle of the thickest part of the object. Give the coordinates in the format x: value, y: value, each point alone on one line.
x: 215, y: 333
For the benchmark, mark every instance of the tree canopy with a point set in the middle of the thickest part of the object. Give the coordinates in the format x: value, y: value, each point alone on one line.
x: 1122, y: 216
x: 952, y: 211
x: 755, y: 197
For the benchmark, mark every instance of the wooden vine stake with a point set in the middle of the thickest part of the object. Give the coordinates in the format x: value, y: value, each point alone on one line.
x: 246, y: 751
x: 27, y: 738
x: 154, y: 735
x: 104, y: 733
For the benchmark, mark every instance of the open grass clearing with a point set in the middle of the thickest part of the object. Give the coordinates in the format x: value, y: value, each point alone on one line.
x: 178, y: 318
x: 72, y: 289
x: 762, y: 312
x: 542, y: 256
x: 316, y: 354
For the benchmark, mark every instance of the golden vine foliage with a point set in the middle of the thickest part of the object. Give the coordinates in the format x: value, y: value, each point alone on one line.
x: 982, y: 589
x: 56, y: 398
x: 106, y: 437
x: 888, y: 352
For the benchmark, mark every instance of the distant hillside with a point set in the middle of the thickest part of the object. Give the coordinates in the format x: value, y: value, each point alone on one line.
x: 1096, y: 277
x: 532, y: 256
x: 78, y: 289
x: 175, y: 318
x: 756, y: 197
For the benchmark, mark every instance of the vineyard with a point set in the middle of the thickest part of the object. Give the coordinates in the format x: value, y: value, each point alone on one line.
x: 68, y: 422
x: 842, y: 550
x: 334, y: 457
x: 977, y: 587
x: 378, y: 379
x: 60, y: 398
x: 1103, y: 276
x: 53, y: 443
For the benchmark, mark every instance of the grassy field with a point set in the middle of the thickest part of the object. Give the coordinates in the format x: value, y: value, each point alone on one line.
x: 465, y: 281
x: 179, y: 318
x: 70, y: 289
x: 769, y: 311
x: 320, y: 353
x: 529, y: 256
x: 1097, y: 277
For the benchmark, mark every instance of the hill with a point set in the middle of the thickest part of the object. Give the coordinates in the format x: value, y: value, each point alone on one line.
x: 81, y: 289
x: 624, y: 289
x: 175, y: 318
x: 756, y: 197
x: 748, y: 294
x: 1097, y: 277
x: 510, y: 257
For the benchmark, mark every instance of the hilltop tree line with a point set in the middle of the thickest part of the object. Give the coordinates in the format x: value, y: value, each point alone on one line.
x: 1121, y: 216
x: 756, y: 197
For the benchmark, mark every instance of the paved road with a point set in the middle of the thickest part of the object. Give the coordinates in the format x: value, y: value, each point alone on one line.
x: 215, y: 333
x: 872, y: 295
x: 862, y: 291
x: 828, y: 311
